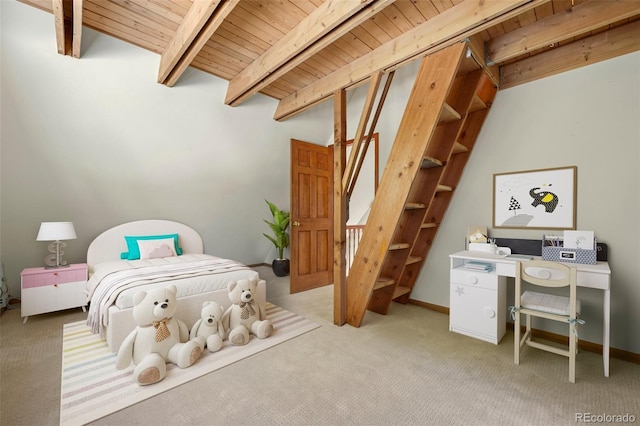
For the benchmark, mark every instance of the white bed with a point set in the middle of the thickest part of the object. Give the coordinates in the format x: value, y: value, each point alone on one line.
x: 111, y: 315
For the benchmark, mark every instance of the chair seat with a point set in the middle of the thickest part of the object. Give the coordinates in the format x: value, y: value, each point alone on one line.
x: 547, y: 303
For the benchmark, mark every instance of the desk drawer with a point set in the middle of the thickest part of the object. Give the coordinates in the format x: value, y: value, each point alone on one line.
x: 593, y: 280
x: 484, y: 280
x: 506, y: 269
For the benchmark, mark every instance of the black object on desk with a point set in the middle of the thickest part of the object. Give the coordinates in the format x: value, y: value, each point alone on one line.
x: 534, y: 248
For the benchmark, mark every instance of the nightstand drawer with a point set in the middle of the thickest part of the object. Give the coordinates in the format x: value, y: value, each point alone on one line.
x: 39, y: 277
x: 52, y: 298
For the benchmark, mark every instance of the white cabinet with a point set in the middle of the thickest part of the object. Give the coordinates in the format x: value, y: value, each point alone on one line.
x: 477, y: 304
x: 48, y: 290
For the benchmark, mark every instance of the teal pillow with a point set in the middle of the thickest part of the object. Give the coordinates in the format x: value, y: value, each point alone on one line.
x: 134, y: 251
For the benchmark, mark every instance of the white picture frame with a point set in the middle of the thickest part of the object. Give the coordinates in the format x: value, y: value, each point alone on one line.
x: 535, y: 199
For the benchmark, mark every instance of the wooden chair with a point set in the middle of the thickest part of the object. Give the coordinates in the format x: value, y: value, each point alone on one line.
x: 534, y: 304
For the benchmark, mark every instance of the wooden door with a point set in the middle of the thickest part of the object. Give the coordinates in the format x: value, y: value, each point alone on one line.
x: 311, y: 216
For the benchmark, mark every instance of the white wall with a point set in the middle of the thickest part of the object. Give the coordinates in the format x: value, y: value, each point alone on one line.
x: 98, y: 142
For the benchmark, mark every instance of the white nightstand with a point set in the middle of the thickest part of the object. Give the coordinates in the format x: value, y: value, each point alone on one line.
x: 48, y: 290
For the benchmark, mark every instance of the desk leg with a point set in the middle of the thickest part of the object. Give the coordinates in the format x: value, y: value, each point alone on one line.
x: 605, y: 331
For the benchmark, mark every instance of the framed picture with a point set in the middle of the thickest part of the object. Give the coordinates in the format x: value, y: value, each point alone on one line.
x: 535, y: 199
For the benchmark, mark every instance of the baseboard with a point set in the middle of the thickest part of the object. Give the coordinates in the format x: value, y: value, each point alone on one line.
x: 437, y: 308
x: 552, y: 337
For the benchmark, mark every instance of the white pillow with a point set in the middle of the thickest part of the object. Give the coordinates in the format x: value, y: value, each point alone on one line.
x: 150, y: 249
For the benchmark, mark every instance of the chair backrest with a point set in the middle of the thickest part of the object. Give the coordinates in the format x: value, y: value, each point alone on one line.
x: 545, y: 273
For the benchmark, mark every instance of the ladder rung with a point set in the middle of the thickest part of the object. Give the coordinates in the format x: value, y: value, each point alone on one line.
x: 448, y: 113
x: 429, y: 163
x: 383, y: 282
x: 477, y: 103
x: 443, y: 188
x: 459, y: 148
x: 413, y: 259
x: 400, y: 291
x: 399, y: 246
x: 428, y: 225
x: 412, y: 206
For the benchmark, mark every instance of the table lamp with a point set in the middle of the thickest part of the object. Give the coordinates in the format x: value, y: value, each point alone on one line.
x: 56, y: 231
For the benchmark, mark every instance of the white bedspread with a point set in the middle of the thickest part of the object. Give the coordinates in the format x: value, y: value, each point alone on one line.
x: 115, y: 282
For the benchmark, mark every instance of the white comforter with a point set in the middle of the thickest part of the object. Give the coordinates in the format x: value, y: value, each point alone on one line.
x: 115, y: 282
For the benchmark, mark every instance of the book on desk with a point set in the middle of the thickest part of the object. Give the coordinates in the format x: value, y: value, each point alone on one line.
x: 476, y: 265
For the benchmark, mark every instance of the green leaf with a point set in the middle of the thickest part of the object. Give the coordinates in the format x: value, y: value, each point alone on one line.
x: 281, y: 220
x: 271, y: 238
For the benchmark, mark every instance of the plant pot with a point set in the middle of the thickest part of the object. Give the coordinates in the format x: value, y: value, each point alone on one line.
x: 280, y: 267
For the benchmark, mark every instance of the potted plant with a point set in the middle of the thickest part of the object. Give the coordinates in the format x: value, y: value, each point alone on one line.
x: 279, y: 227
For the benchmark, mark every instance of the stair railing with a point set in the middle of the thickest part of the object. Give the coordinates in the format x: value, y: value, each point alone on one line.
x: 354, y: 233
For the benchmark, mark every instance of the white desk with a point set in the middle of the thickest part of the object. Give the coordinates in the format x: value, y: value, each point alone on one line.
x: 596, y: 276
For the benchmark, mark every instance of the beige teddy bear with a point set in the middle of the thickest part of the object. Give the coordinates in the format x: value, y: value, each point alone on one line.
x: 158, y: 338
x: 246, y: 315
x: 209, y: 326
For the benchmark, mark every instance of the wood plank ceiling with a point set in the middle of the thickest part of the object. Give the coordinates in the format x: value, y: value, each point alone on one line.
x: 301, y: 51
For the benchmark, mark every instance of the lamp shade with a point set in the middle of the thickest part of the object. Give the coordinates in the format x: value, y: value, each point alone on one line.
x: 56, y: 231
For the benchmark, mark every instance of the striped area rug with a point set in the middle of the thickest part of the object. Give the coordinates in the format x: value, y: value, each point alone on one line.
x: 92, y: 387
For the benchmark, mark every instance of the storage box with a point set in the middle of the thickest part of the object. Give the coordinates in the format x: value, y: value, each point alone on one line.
x: 569, y: 255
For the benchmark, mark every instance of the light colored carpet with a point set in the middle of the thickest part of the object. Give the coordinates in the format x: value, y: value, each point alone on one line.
x: 400, y: 369
x: 92, y: 387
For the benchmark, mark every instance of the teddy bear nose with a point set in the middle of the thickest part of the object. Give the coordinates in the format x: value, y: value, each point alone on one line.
x: 210, y: 320
x: 164, y: 306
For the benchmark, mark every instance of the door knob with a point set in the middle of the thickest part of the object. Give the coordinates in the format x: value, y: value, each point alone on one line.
x: 295, y: 223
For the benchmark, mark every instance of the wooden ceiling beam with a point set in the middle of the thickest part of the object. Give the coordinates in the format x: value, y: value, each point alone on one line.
x: 67, y: 16
x: 76, y: 28
x: 451, y: 26
x: 578, y: 20
x: 325, y: 25
x: 202, y: 19
x: 63, y: 35
x: 599, y: 47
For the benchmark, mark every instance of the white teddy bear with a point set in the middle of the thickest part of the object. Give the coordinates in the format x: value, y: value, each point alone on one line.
x: 158, y: 338
x: 246, y: 314
x: 210, y: 326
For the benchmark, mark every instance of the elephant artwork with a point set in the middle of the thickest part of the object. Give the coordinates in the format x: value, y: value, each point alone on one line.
x: 548, y: 199
x: 553, y: 189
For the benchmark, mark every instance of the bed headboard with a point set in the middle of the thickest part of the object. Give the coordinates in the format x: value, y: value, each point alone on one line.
x: 108, y: 245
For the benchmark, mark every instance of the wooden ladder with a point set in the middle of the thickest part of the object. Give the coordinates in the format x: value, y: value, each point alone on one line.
x: 445, y: 112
